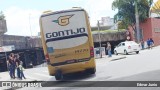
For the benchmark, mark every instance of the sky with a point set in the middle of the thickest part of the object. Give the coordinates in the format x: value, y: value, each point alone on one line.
x: 22, y: 16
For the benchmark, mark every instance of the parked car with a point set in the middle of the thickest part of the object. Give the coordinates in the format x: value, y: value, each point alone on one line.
x: 127, y: 47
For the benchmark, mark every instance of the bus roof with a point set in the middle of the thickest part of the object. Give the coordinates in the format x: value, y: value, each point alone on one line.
x: 62, y: 11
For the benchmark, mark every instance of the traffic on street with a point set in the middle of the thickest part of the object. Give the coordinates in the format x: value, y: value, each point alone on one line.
x: 133, y: 67
x: 80, y: 45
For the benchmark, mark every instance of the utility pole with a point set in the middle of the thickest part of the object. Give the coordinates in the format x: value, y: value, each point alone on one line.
x: 99, y: 34
x: 137, y: 21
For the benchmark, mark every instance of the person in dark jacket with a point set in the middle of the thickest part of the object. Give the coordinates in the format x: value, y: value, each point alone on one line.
x: 151, y: 43
x: 148, y: 43
x: 12, y: 65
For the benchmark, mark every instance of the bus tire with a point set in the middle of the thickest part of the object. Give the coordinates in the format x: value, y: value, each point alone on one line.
x: 137, y: 52
x: 58, y: 75
x: 91, y: 71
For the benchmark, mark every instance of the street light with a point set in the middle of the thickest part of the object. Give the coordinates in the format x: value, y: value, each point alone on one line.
x: 99, y: 35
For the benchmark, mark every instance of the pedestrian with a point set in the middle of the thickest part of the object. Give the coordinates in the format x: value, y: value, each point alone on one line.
x: 21, y: 70
x: 151, y: 43
x: 11, y: 66
x: 109, y: 49
x: 8, y: 65
x: 17, y: 65
x: 142, y: 44
x: 148, y: 43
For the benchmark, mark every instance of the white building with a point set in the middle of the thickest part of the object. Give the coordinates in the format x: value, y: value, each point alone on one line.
x: 107, y: 21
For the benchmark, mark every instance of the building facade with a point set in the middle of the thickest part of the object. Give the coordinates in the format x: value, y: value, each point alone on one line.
x: 107, y: 21
x: 149, y: 29
x: 29, y: 49
x: 20, y: 42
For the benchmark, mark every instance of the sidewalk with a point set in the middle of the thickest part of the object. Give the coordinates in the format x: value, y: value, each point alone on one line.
x: 4, y: 76
x: 113, y: 58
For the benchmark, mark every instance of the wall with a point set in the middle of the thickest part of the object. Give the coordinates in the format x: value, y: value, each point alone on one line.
x: 150, y: 29
x: 110, y: 36
x: 156, y: 30
x: 20, y: 42
x: 146, y: 29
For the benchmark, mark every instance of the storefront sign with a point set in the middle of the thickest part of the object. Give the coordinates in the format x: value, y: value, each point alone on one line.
x: 7, y: 48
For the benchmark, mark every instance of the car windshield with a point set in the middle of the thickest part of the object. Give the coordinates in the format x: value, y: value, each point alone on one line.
x: 131, y: 43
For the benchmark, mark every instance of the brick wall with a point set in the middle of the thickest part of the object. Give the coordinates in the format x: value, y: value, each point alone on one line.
x: 150, y: 29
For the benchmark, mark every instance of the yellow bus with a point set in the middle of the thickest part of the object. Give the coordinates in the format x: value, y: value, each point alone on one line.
x: 67, y: 42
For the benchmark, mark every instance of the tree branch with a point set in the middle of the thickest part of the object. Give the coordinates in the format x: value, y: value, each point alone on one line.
x: 132, y: 25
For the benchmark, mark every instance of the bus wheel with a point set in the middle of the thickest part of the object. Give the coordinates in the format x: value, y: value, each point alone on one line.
x: 58, y: 75
x: 137, y: 52
x: 91, y: 71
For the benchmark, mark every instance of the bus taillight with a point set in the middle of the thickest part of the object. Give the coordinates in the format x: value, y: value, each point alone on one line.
x: 92, y: 52
x: 129, y: 47
x: 47, y: 57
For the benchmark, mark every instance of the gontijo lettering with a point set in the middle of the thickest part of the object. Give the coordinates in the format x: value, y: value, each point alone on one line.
x: 65, y: 33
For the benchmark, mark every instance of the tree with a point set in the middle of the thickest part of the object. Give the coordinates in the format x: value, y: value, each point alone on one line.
x: 126, y: 11
x: 2, y: 17
x: 121, y: 25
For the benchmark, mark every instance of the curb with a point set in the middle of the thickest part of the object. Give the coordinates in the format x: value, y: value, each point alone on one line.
x: 118, y: 58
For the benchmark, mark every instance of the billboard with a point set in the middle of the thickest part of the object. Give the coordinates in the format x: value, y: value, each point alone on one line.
x: 7, y: 48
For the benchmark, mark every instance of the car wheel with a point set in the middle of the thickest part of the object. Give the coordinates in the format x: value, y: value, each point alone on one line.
x: 125, y: 52
x: 115, y: 52
x: 137, y: 52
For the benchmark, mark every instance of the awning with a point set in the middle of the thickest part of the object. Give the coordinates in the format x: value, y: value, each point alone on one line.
x: 156, y: 7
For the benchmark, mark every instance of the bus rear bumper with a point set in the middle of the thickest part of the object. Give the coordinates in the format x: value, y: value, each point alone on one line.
x: 72, y: 68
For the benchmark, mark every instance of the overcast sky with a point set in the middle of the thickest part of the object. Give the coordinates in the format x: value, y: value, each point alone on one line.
x: 23, y: 15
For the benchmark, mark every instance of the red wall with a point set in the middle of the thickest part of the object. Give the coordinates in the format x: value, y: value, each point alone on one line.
x: 156, y: 35
x: 148, y: 30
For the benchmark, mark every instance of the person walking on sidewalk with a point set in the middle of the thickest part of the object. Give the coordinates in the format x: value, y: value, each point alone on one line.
x: 17, y: 65
x: 148, y: 43
x: 11, y: 65
x: 142, y: 44
x: 21, y: 70
x: 151, y: 43
x: 109, y: 49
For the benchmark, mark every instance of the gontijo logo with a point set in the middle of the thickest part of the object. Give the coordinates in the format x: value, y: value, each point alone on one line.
x: 63, y: 20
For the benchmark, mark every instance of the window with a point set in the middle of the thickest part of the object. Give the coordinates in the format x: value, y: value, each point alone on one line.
x: 119, y: 45
x: 123, y: 44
